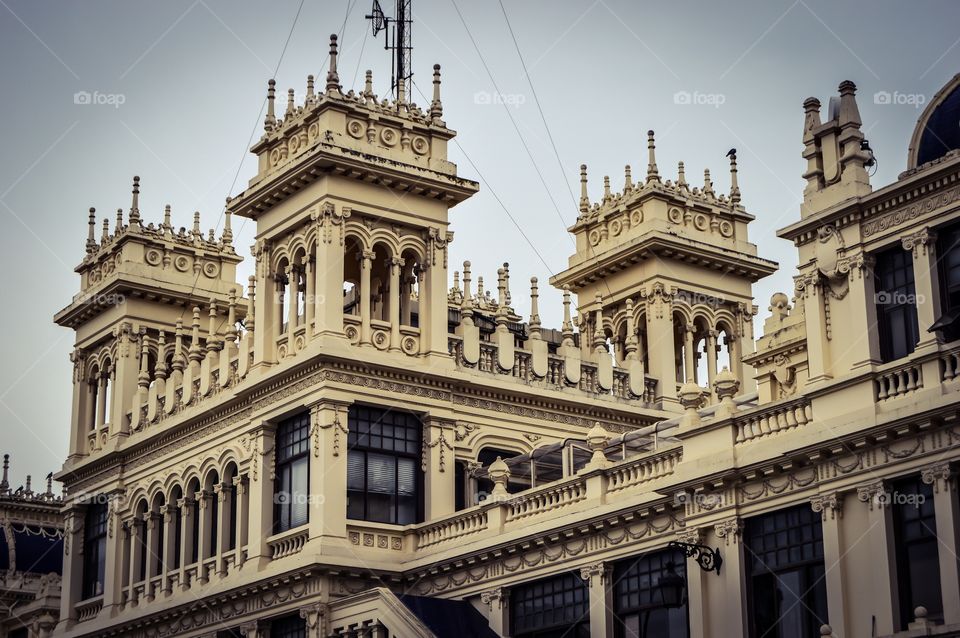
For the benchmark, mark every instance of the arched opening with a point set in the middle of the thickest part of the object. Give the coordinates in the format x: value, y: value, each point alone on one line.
x: 192, y: 521
x: 352, y: 260
x: 282, y: 301
x: 175, y: 560
x: 683, y: 349
x: 93, y: 397
x: 701, y: 348
x: 726, y: 348
x: 380, y: 297
x: 139, y: 546
x: 229, y: 516
x: 212, y: 514
x: 410, y: 298
x: 155, y: 561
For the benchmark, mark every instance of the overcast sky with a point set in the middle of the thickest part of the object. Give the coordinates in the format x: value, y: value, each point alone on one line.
x: 182, y: 84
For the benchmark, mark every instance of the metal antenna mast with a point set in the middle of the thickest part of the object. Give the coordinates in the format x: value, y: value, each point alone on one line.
x: 398, y: 40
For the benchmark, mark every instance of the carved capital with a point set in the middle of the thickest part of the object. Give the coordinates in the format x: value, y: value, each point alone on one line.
x: 917, y: 242
x: 874, y: 494
x: 729, y: 530
x: 495, y: 598
x: 596, y: 574
x: 828, y: 504
x: 938, y: 475
x: 690, y: 535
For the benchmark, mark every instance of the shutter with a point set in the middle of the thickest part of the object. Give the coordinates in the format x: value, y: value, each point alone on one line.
x: 406, y: 477
x: 381, y: 474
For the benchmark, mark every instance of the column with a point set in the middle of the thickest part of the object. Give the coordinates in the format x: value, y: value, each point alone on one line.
x: 186, y: 538
x: 293, y: 312
x: 661, y: 347
x: 328, y: 309
x: 365, y: 264
x: 864, y: 352
x: 222, y: 492
x: 734, y: 577
x: 922, y: 245
x: 697, y: 611
x: 818, y: 346
x: 440, y: 479
x: 948, y: 534
x: 712, y: 361
x: 102, y: 399
x: 309, y: 303
x: 598, y: 578
x: 498, y: 611
x: 205, y: 523
x: 328, y: 471
x: 395, y: 295
x: 71, y: 583
x: 883, y: 565
x: 406, y: 290
x: 830, y: 508
x: 261, y: 493
x: 152, y: 549
x: 243, y: 513
x: 134, y: 533
x: 689, y: 362
x: 169, y: 543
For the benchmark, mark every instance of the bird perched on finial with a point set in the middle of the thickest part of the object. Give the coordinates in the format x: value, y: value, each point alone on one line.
x: 732, y: 152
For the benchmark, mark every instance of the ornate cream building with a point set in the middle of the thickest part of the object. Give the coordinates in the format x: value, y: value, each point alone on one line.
x: 362, y: 441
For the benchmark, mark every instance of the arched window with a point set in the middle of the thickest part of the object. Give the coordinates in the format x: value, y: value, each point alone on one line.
x: 94, y: 550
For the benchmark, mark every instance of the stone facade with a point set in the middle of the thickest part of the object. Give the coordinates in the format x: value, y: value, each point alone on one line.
x: 651, y: 415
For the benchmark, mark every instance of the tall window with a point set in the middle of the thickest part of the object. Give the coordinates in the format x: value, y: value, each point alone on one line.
x: 383, y: 467
x: 94, y: 550
x: 288, y: 627
x: 896, y: 303
x: 948, y: 253
x: 551, y: 608
x: 915, y: 534
x: 293, y: 473
x: 641, y: 605
x: 787, y: 591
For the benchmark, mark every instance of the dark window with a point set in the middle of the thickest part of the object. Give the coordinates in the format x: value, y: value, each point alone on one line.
x: 460, y: 485
x: 948, y: 258
x: 22, y: 632
x: 288, y: 627
x: 639, y: 603
x: 293, y: 473
x: 141, y: 540
x: 383, y: 466
x: 551, y: 608
x: 787, y: 591
x: 177, y: 533
x: 896, y: 303
x: 158, y: 563
x: 915, y: 534
x: 94, y: 550
x: 233, y: 517
x: 195, y: 530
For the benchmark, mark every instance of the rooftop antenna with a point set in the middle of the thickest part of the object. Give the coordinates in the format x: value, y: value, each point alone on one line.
x: 400, y: 43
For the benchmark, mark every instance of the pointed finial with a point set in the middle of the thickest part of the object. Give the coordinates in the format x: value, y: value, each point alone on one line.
x: 627, y: 178
x: 734, y: 186
x: 270, y: 121
x: 466, y: 306
x: 49, y: 492
x: 652, y: 173
x: 160, y: 371
x: 534, y: 309
x: 584, y: 198
x: 119, y: 225
x: 212, y: 326
x: 251, y: 292
x: 5, y: 482
x: 178, y: 357
x: 135, y: 202
x: 333, y: 78
x: 501, y: 289
x: 599, y: 336
x: 631, y: 343
x: 480, y: 288
x: 707, y: 184
x: 196, y: 225
x: 106, y: 229
x: 231, y: 331
x: 681, y: 176
x: 567, y: 326
x: 291, y: 107
x: 143, y: 379
x: 436, y: 107
x: 506, y: 283
x: 167, y: 226
x: 227, y: 229
x: 606, y: 188
x: 194, y: 353
x: 368, y: 85
x: 91, y: 230
x: 29, y: 490
x: 310, y: 94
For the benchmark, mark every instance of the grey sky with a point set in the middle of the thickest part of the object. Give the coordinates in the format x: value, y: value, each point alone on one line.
x: 192, y: 76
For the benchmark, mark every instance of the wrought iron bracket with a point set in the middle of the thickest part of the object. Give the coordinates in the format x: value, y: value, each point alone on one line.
x: 709, y: 559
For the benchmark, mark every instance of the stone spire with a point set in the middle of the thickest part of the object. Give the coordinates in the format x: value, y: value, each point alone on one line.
x: 167, y: 226
x: 599, y: 337
x: 466, y: 306
x: 227, y: 236
x: 118, y: 227
x: 179, y: 360
x: 584, y: 197
x: 567, y: 327
x: 368, y: 87
x: 333, y: 78
x: 311, y: 96
x: 707, y: 184
x: 627, y: 178
x: 105, y: 235
x: 632, y: 343
x: 436, y: 106
x: 291, y: 106
x: 606, y: 188
x: 270, y: 121
x: 250, y: 324
x: 501, y: 296
x: 734, y: 186
x: 652, y: 173
x: 91, y: 230
x: 195, y: 354
x: 135, y: 204
x: 143, y: 379
x: 534, y: 309
x: 5, y: 481
x: 681, y: 176
x: 160, y: 371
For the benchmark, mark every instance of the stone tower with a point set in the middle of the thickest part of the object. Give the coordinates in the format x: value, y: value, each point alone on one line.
x: 663, y: 273
x: 137, y: 320
x: 351, y: 202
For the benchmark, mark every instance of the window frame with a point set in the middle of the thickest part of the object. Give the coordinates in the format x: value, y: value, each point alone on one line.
x: 812, y: 587
x: 361, y: 445
x: 895, y: 262
x: 291, y: 626
x: 902, y: 546
x: 96, y: 518
x: 289, y: 455
x: 560, y: 585
x: 622, y: 577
